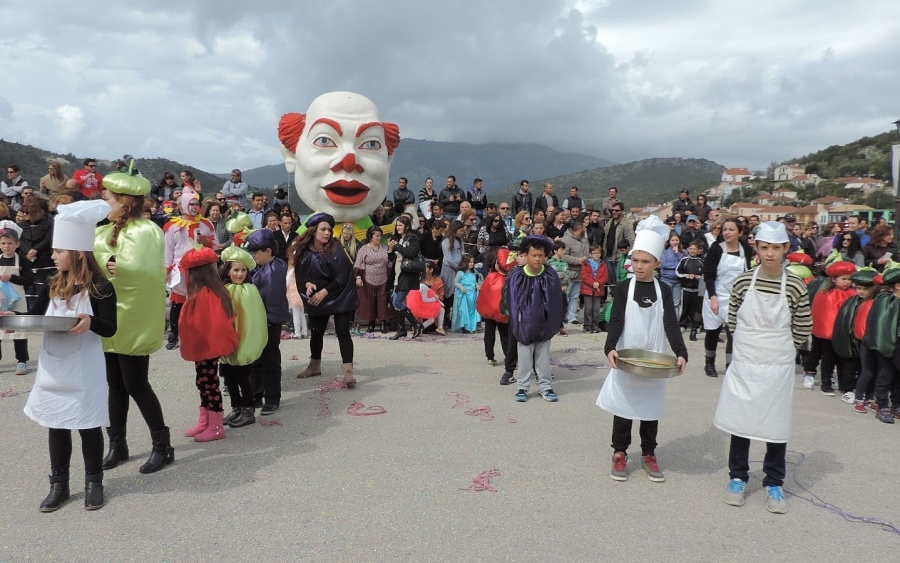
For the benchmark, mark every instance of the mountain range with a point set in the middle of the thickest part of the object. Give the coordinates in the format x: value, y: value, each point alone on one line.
x: 642, y: 182
x: 497, y: 164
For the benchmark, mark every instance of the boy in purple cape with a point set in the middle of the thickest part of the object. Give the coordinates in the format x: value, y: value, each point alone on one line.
x: 532, y: 298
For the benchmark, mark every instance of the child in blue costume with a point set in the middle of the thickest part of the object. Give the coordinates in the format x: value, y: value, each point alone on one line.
x: 270, y: 278
x: 532, y: 298
x: 465, y: 317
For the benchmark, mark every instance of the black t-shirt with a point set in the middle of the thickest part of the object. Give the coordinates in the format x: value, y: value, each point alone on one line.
x: 644, y: 296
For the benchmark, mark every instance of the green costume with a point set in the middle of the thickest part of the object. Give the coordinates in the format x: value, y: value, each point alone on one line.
x: 250, y: 323
x: 881, y: 325
x: 842, y: 340
x: 140, y: 284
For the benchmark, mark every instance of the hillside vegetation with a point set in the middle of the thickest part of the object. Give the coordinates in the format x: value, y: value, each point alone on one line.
x: 653, y: 180
x: 865, y: 156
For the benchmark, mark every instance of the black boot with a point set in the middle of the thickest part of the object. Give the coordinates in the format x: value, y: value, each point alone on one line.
x: 162, y: 453
x: 118, y: 447
x: 401, y: 330
x: 93, y: 491
x: 235, y: 412
x: 247, y: 417
x: 371, y: 327
x: 383, y: 327
x: 710, y: 368
x: 172, y: 342
x: 414, y: 322
x: 59, y: 492
x: 693, y: 336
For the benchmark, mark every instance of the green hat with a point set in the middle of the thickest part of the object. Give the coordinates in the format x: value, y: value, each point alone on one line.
x: 238, y: 254
x: 891, y: 276
x: 835, y: 256
x: 126, y: 184
x: 238, y: 222
x: 864, y: 276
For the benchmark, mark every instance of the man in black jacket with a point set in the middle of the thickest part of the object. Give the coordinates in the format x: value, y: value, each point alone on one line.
x: 547, y: 201
x: 684, y: 205
x: 403, y: 196
x: 450, y: 197
x: 477, y: 198
x: 522, y: 200
x: 573, y: 200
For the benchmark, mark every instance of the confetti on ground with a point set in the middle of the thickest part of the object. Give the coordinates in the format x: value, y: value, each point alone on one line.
x: 295, y: 357
x: 481, y: 413
x: 273, y: 422
x: 460, y: 398
x: 8, y: 393
x: 358, y: 409
x: 511, y: 420
x: 403, y: 383
x: 482, y: 482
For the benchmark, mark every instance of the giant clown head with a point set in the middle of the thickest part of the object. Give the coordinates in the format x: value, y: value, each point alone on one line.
x: 340, y: 153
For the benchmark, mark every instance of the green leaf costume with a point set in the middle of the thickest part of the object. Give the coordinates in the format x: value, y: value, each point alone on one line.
x: 845, y: 345
x: 881, y: 325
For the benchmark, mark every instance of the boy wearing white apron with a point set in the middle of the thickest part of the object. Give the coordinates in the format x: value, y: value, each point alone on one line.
x: 770, y: 318
x: 70, y: 391
x: 15, y: 270
x: 643, y: 317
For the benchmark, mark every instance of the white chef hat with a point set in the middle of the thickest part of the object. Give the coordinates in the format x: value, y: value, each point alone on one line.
x: 75, y: 223
x: 650, y: 236
x: 772, y: 231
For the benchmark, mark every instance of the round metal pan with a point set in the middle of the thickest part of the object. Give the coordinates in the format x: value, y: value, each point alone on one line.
x: 37, y: 323
x: 628, y: 363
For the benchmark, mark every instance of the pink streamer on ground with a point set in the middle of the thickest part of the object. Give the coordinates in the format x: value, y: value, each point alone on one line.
x: 324, y: 388
x: 358, y: 409
x: 273, y: 422
x: 481, y: 413
x: 8, y: 393
x: 482, y: 481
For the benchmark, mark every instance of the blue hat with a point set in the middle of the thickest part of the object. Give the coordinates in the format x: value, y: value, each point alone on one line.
x: 537, y: 241
x: 260, y: 240
x: 317, y: 218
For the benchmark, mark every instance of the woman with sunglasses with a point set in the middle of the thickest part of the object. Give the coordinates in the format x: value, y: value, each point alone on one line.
x: 850, y: 249
x: 492, y: 235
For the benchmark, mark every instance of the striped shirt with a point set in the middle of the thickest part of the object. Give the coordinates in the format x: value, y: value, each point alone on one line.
x: 795, y: 292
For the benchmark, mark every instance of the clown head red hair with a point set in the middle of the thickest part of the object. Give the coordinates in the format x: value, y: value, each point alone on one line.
x: 340, y: 154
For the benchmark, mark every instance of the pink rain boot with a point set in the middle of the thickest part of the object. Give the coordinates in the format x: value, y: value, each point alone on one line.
x: 201, y: 425
x: 215, y: 430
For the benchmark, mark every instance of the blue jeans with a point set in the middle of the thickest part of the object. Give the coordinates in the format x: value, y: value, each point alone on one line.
x: 676, y: 295
x: 399, y: 301
x: 572, y: 295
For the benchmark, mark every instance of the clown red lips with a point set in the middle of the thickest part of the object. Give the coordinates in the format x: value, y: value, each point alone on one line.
x: 340, y: 153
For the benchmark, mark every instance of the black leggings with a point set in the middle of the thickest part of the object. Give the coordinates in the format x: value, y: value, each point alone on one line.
x: 61, y: 450
x: 174, y: 314
x: 20, y: 346
x: 317, y: 327
x: 208, y: 384
x: 129, y: 376
x: 712, y: 340
x: 490, y: 337
x: 237, y: 381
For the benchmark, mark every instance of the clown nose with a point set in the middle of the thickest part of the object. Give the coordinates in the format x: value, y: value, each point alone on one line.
x: 347, y: 164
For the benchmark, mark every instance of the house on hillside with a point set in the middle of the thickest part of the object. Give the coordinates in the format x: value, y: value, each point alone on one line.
x: 808, y: 214
x: 840, y: 210
x: 827, y: 200
x: 744, y: 208
x: 785, y: 192
x: 864, y: 184
x: 663, y: 211
x: 773, y: 213
x: 805, y: 179
x: 736, y: 175
x: 787, y: 172
x: 766, y: 199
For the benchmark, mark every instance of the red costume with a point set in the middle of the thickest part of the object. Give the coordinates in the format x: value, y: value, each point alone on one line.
x: 206, y: 331
x: 825, y: 308
x: 488, y: 301
x: 862, y: 314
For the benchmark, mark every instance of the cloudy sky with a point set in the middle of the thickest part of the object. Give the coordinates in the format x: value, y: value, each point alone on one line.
x: 742, y: 82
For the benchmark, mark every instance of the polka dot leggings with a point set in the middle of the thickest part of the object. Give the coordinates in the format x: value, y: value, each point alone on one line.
x: 208, y: 384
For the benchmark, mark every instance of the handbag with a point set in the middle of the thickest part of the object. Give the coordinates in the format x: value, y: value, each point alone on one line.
x: 413, y: 265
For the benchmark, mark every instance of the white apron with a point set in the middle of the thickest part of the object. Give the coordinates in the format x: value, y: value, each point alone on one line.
x: 730, y: 267
x: 70, y: 389
x: 755, y: 400
x: 626, y: 395
x: 21, y: 306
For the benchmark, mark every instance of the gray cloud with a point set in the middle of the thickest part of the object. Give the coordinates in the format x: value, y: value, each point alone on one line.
x: 742, y: 82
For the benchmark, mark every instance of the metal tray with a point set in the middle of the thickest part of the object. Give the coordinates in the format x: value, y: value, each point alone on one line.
x: 659, y: 372
x: 37, y: 323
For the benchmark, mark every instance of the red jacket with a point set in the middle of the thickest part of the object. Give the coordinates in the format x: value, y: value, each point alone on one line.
x: 825, y: 309
x: 588, y: 279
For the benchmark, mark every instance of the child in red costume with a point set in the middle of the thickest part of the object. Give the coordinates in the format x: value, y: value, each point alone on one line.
x: 207, y: 333
x: 825, y: 308
x: 427, y: 304
x: 849, y: 329
x: 488, y: 306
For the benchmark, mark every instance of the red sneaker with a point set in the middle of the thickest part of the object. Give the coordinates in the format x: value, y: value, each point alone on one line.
x: 648, y: 462
x: 619, y: 471
x: 860, y: 407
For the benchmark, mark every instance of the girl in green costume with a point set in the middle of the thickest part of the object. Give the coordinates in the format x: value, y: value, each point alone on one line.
x: 129, y: 250
x: 250, y: 322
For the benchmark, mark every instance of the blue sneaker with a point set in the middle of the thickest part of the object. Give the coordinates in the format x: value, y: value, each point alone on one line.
x: 734, y: 495
x: 549, y: 395
x: 775, y: 501
x: 521, y: 395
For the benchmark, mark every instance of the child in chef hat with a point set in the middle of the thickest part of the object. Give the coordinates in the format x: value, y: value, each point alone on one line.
x: 768, y: 313
x: 644, y: 318
x: 70, y: 391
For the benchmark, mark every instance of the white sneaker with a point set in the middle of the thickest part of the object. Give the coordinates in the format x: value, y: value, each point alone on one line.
x: 849, y: 397
x: 809, y: 381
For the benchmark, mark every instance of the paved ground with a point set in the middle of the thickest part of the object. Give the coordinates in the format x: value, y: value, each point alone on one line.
x: 388, y: 487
